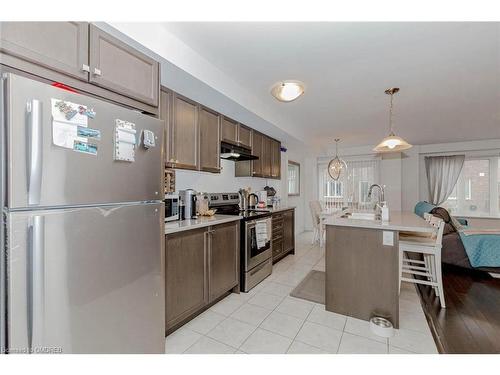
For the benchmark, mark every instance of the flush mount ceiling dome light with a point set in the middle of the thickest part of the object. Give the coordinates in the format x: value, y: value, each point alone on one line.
x: 392, y: 143
x: 287, y: 91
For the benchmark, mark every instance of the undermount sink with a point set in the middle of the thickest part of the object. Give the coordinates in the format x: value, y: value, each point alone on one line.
x: 361, y: 216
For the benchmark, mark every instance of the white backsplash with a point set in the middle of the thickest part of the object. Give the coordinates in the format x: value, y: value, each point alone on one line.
x: 225, y: 182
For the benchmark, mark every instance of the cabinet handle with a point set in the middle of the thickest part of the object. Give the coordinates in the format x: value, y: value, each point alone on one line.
x: 97, y: 72
x: 86, y: 68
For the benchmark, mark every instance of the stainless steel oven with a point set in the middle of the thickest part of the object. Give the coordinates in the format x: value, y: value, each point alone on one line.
x: 253, y: 254
x: 257, y: 261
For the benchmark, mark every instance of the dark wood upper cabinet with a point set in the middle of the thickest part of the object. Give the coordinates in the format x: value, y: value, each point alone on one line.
x: 61, y: 46
x: 165, y: 112
x: 184, y: 133
x: 223, y: 258
x: 266, y: 156
x: 123, y: 69
x: 186, y: 273
x: 229, y: 130
x: 209, y: 140
x: 257, y: 151
x: 275, y: 159
x: 244, y: 136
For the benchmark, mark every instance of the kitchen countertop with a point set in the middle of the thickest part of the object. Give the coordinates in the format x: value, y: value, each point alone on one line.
x: 399, y: 221
x: 202, y: 221
x: 274, y: 210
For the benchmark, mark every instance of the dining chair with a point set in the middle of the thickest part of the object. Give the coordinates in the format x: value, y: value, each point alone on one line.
x: 315, y: 208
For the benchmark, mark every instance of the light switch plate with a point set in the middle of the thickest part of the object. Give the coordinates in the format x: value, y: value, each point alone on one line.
x: 387, y: 238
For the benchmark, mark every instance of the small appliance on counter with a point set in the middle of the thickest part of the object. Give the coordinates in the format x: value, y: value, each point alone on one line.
x: 271, y: 196
x: 188, y: 204
x: 243, y: 198
x: 172, y: 207
x: 262, y: 195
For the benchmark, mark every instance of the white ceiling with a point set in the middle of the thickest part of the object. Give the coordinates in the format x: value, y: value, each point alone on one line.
x: 449, y: 75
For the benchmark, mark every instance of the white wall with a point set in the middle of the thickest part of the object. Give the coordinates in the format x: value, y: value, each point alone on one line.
x: 225, y: 182
x: 296, y: 155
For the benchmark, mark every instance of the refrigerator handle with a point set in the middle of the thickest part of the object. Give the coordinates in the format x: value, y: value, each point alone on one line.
x: 36, y: 283
x: 34, y: 135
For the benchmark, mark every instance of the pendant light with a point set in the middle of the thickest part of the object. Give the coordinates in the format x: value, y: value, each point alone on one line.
x: 392, y: 143
x: 336, y: 165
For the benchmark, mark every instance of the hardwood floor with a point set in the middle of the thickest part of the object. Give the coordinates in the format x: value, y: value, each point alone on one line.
x: 471, y: 321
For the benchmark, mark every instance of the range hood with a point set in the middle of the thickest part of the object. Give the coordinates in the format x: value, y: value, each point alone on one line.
x: 235, y: 153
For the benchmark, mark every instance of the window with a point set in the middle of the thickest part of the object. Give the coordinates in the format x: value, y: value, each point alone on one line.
x: 468, y: 187
x: 363, y: 191
x: 334, y: 189
x: 352, y: 188
x: 477, y: 192
x: 293, y: 178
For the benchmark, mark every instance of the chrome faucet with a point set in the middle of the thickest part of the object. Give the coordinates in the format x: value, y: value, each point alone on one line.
x: 381, y: 197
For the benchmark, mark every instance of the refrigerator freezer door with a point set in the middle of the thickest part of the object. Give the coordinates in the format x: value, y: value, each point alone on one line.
x: 42, y: 174
x: 86, y: 280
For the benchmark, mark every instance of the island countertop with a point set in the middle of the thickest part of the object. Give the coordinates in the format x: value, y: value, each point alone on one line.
x: 406, y: 221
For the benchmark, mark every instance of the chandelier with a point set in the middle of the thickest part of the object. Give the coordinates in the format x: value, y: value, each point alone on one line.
x: 336, y: 165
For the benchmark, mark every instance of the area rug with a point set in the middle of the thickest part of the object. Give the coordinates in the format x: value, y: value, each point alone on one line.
x: 312, y: 288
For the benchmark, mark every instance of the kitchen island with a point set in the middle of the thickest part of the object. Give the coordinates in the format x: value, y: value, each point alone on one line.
x: 362, y: 264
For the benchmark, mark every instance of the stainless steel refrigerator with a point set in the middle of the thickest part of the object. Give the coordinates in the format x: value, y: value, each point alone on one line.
x: 82, y: 236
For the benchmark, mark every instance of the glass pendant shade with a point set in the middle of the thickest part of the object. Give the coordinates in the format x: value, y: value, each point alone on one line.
x: 336, y: 165
x: 392, y: 143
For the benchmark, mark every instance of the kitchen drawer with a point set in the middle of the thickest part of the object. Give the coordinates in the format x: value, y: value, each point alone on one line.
x: 277, y: 247
x: 277, y: 223
x: 277, y: 238
x: 277, y: 234
x: 278, y: 226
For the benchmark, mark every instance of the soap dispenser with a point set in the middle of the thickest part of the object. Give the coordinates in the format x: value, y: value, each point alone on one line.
x: 384, y: 211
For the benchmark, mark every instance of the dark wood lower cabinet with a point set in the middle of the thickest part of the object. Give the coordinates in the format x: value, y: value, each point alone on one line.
x: 223, y: 270
x: 185, y: 275
x: 201, y: 266
x: 283, y: 234
x: 288, y: 230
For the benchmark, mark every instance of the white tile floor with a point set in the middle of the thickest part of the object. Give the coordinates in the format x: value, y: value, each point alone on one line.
x: 267, y: 320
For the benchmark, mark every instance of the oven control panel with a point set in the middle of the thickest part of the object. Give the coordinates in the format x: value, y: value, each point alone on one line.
x: 223, y: 198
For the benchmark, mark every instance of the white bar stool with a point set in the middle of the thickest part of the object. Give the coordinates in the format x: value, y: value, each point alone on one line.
x: 430, y: 267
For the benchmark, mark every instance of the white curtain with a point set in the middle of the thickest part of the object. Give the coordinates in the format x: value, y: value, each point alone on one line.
x: 352, y: 187
x: 442, y: 175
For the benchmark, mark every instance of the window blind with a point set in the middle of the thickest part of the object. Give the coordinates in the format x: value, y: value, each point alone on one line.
x: 351, y: 189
